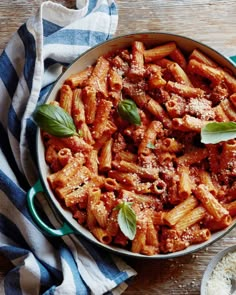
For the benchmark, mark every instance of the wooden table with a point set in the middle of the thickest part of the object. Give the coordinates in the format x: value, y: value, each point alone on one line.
x: 211, y: 22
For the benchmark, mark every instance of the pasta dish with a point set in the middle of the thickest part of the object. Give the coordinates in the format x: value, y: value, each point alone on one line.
x: 139, y: 113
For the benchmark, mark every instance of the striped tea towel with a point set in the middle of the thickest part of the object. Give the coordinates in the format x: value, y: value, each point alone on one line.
x: 29, y: 65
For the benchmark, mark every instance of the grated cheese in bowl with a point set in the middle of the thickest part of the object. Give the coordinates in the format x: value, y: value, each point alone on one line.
x: 220, y: 279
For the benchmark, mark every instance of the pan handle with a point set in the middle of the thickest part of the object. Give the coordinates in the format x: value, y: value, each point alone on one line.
x: 233, y: 58
x: 64, y: 230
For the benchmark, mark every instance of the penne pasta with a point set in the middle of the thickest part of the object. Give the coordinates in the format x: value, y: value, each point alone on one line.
x: 158, y: 111
x: 191, y: 218
x: 179, y: 211
x: 105, y: 157
x: 201, y: 57
x: 78, y: 108
x: 101, y: 235
x: 232, y: 99
x: 101, y: 118
x: 230, y: 81
x: 159, y: 52
x: 79, y: 79
x: 90, y: 103
x: 146, y: 166
x: 210, y: 203
x: 153, y: 130
x: 185, y: 185
x: 66, y: 96
x: 115, y: 81
x: 184, y: 90
x: 137, y: 61
x: 177, y: 56
x: 98, y: 78
x: 213, y: 74
x: 196, y: 155
x: 179, y: 74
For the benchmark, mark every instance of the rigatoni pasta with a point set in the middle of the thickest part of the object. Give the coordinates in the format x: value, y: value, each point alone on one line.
x: 179, y: 189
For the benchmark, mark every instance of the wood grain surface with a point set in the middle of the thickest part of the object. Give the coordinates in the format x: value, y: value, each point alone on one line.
x: 211, y: 22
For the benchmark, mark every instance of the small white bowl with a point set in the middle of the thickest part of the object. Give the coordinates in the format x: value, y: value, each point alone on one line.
x: 211, y: 267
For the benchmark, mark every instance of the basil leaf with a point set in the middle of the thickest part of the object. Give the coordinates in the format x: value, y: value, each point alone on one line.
x: 54, y: 120
x: 128, y: 111
x: 216, y: 132
x: 127, y: 220
x: 150, y: 146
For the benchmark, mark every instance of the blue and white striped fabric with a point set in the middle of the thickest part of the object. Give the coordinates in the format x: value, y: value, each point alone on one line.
x: 28, y: 67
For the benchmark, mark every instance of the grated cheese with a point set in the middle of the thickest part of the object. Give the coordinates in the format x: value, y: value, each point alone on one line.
x: 201, y: 108
x: 220, y: 280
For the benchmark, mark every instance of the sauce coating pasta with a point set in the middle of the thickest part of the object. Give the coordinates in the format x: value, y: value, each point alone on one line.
x: 181, y: 190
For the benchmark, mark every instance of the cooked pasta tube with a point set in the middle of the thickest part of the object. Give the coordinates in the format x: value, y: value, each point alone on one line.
x: 210, y: 203
x: 192, y: 217
x: 179, y: 211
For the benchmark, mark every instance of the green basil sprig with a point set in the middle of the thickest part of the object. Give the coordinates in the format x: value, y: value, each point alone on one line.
x: 150, y: 146
x: 126, y: 219
x: 128, y: 111
x: 216, y: 132
x: 54, y: 120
